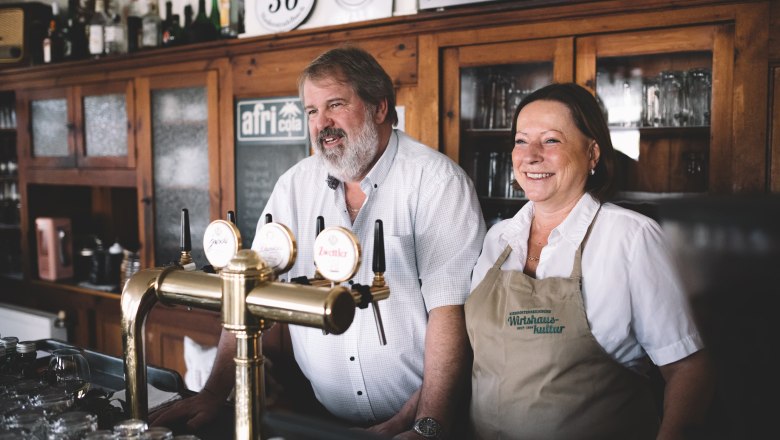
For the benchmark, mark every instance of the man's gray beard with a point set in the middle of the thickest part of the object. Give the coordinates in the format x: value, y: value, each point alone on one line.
x: 350, y: 161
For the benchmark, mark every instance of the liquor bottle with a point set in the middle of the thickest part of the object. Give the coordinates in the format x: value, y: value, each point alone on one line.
x: 202, y: 28
x: 74, y: 44
x: 173, y: 35
x: 133, y: 26
x: 52, y: 43
x: 150, y: 27
x: 115, y: 36
x: 167, y: 25
x: 96, y: 30
x: 186, y: 29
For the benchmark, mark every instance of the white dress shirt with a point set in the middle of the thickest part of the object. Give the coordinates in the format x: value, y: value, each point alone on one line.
x: 633, y: 296
x: 433, y: 231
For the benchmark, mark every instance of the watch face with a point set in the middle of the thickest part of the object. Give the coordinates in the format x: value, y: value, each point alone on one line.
x: 427, y: 427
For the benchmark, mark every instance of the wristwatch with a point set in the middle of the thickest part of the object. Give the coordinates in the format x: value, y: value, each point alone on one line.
x: 427, y: 427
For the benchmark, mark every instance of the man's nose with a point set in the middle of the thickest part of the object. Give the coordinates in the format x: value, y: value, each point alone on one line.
x: 322, y: 120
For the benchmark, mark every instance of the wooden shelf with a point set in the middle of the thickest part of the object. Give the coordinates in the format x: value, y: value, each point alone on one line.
x: 72, y: 286
x: 114, y: 178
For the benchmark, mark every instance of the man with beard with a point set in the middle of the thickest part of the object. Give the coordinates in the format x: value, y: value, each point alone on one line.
x: 365, y: 170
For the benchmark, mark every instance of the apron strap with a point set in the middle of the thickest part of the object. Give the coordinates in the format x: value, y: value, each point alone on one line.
x: 501, y: 258
x: 576, y: 270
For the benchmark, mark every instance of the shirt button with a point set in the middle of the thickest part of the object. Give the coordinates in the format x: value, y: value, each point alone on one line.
x: 352, y: 358
x: 360, y: 393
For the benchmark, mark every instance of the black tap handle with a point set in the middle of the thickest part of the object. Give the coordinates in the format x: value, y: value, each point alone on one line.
x: 231, y: 217
x: 378, y: 264
x: 185, y: 243
x: 320, y: 225
x: 269, y: 218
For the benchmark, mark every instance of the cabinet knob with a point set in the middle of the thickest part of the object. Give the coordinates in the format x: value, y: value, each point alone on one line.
x: 450, y: 114
x: 146, y: 200
x: 71, y: 126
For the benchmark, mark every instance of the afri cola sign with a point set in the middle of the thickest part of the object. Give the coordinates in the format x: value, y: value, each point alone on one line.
x: 274, y: 119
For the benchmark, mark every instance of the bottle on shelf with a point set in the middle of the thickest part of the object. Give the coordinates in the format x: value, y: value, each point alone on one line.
x: 171, y: 31
x: 186, y: 29
x: 96, y: 30
x: 215, y: 17
x: 115, y: 35
x: 52, y: 43
x: 150, y: 27
x: 202, y: 29
x: 133, y: 26
x: 74, y: 44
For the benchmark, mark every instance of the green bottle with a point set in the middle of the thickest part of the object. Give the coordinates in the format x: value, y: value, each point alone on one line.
x: 214, y: 17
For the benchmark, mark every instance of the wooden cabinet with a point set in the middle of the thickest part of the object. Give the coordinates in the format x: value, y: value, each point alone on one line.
x: 622, y: 59
x: 179, y: 168
x: 482, y: 85
x: 669, y: 124
x: 85, y: 126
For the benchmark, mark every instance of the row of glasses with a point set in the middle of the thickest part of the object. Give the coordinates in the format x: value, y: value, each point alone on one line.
x: 38, y: 409
x: 673, y: 98
x: 497, y: 97
x: 497, y: 173
x: 7, y: 115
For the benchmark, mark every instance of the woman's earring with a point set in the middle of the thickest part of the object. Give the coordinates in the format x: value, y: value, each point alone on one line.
x: 592, y: 171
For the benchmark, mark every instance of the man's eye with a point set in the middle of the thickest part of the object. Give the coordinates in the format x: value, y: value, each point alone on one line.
x: 311, y: 112
x: 335, y: 104
x: 551, y: 141
x: 520, y: 142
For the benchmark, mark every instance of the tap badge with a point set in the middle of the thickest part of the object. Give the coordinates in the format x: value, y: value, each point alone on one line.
x: 276, y: 247
x: 276, y: 119
x: 337, y: 254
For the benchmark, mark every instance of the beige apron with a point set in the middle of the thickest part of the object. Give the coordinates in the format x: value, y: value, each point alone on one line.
x: 539, y: 372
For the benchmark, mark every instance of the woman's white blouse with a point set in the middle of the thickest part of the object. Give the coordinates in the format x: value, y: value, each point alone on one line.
x: 633, y: 296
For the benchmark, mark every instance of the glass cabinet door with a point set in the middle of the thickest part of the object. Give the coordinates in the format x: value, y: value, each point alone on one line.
x: 181, y: 169
x: 46, y: 128
x: 657, y: 96
x: 483, y: 84
x: 104, y: 115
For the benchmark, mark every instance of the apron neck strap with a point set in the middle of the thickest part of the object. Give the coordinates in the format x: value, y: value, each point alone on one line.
x: 501, y: 258
x: 576, y: 270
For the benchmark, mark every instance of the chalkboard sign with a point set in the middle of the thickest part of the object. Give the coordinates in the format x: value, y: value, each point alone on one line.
x: 262, y: 155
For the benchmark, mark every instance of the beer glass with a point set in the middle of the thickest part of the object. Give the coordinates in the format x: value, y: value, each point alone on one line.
x: 699, y: 91
x: 673, y: 112
x: 69, y: 370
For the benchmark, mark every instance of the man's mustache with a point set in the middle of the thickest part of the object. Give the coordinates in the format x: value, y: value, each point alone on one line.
x: 330, y: 132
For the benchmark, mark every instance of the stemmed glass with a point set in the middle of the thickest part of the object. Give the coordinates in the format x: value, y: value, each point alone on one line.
x: 69, y: 370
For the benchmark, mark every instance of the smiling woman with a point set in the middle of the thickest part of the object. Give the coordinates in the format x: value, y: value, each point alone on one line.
x: 598, y: 287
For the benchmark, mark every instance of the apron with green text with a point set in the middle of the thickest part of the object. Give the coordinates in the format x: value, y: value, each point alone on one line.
x: 539, y: 372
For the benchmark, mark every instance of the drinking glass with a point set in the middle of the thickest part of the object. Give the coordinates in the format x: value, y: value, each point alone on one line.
x: 69, y: 370
x: 673, y: 112
x: 698, y: 91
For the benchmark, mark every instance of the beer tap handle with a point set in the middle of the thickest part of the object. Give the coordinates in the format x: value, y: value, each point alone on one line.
x: 231, y: 217
x: 269, y: 218
x: 185, y: 243
x: 319, y: 228
x: 378, y: 263
x: 378, y: 266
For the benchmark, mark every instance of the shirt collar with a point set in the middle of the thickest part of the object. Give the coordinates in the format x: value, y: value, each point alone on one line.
x: 572, y: 229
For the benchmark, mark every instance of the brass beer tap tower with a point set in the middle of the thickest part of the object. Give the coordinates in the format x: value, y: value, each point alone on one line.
x: 251, y: 300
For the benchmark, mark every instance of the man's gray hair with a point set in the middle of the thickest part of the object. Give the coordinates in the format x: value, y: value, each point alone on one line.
x: 357, y: 68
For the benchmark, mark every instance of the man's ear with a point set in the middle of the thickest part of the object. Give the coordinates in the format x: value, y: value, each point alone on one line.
x: 380, y: 114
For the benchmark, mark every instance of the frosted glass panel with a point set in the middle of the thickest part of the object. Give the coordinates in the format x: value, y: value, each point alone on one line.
x: 181, y: 175
x: 105, y: 125
x: 49, y: 127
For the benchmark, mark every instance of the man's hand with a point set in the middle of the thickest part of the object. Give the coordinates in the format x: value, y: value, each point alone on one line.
x: 191, y: 413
